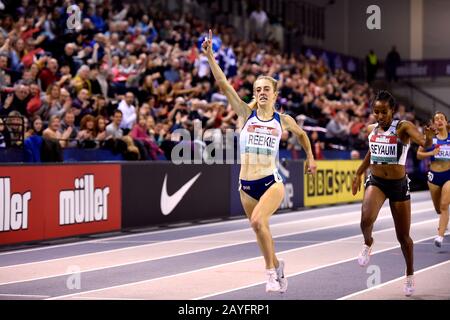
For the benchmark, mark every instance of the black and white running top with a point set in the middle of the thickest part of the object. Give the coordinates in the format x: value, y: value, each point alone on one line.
x: 386, y: 147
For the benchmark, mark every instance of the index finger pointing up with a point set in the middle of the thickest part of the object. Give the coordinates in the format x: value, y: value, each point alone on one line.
x: 210, y: 34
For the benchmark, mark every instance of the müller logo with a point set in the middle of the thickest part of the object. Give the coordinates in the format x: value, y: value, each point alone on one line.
x: 84, y: 203
x: 384, y: 139
x: 13, y: 208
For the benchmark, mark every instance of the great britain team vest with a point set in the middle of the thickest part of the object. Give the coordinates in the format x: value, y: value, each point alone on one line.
x: 259, y: 136
x: 444, y: 149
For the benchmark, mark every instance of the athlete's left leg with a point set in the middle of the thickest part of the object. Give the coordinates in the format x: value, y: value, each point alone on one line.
x: 443, y: 206
x: 267, y: 205
x: 401, y: 212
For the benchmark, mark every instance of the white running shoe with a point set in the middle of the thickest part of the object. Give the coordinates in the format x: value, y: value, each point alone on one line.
x: 364, y: 255
x: 272, y: 284
x: 438, y: 241
x: 409, y: 287
x: 280, y: 276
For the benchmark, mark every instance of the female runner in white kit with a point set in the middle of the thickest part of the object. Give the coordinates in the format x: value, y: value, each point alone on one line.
x: 261, y: 187
x: 389, y: 141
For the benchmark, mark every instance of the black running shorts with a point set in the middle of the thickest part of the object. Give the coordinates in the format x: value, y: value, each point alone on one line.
x: 395, y: 190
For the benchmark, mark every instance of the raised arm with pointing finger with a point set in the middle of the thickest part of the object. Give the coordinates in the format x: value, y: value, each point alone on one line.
x: 239, y: 106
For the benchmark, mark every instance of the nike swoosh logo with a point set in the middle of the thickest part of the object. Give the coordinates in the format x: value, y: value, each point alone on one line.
x: 284, y: 171
x: 168, y: 203
x: 266, y: 184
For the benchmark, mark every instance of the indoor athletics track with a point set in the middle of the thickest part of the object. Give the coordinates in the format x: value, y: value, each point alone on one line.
x: 221, y: 260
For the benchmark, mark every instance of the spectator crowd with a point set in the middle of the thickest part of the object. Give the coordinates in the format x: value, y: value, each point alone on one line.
x: 127, y: 76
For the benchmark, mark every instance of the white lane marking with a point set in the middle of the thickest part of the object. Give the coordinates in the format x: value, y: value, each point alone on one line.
x: 384, y: 215
x: 393, y: 280
x: 287, y: 215
x: 104, y: 298
x: 23, y: 295
x: 305, y: 271
x: 181, y: 253
x: 246, y: 260
x: 283, y: 216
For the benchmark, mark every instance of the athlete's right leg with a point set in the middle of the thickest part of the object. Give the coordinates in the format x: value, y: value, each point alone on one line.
x: 267, y: 205
x: 435, y: 192
x: 249, y: 205
x: 444, y: 203
x: 259, y: 215
x: 372, y: 203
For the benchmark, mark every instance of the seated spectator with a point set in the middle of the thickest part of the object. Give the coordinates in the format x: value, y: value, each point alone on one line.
x: 103, y: 78
x: 17, y: 101
x: 67, y: 58
x: 126, y: 70
x: 65, y: 76
x: 35, y: 103
x: 337, y: 129
x: 355, y: 155
x: 52, y: 103
x: 100, y: 106
x: 53, y: 133
x: 35, y: 128
x: 69, y: 121
x: 100, y: 129
x: 82, y: 105
x: 33, y: 141
x: 81, y: 80
x: 284, y: 140
x: 317, y: 146
x: 140, y: 133
x: 401, y: 113
x: 128, y: 111
x: 132, y: 152
x: 86, y: 135
x: 31, y: 52
x: 173, y: 73
x: 5, y: 137
x: 113, y: 129
x: 49, y: 74
x: 357, y: 139
x: 16, y: 126
x: 34, y: 74
x: 147, y: 89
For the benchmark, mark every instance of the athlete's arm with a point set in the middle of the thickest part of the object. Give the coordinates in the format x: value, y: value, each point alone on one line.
x: 291, y: 125
x: 356, y: 184
x: 422, y: 154
x: 239, y: 106
x: 417, y: 137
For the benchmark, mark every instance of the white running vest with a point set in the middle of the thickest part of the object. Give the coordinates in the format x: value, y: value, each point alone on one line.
x: 386, y: 147
x: 261, y: 137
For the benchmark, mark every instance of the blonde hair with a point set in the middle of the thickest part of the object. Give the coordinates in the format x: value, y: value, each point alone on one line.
x: 254, y: 104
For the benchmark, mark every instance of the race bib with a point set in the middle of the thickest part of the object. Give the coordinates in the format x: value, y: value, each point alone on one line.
x: 444, y: 153
x: 383, y: 148
x: 261, y: 139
